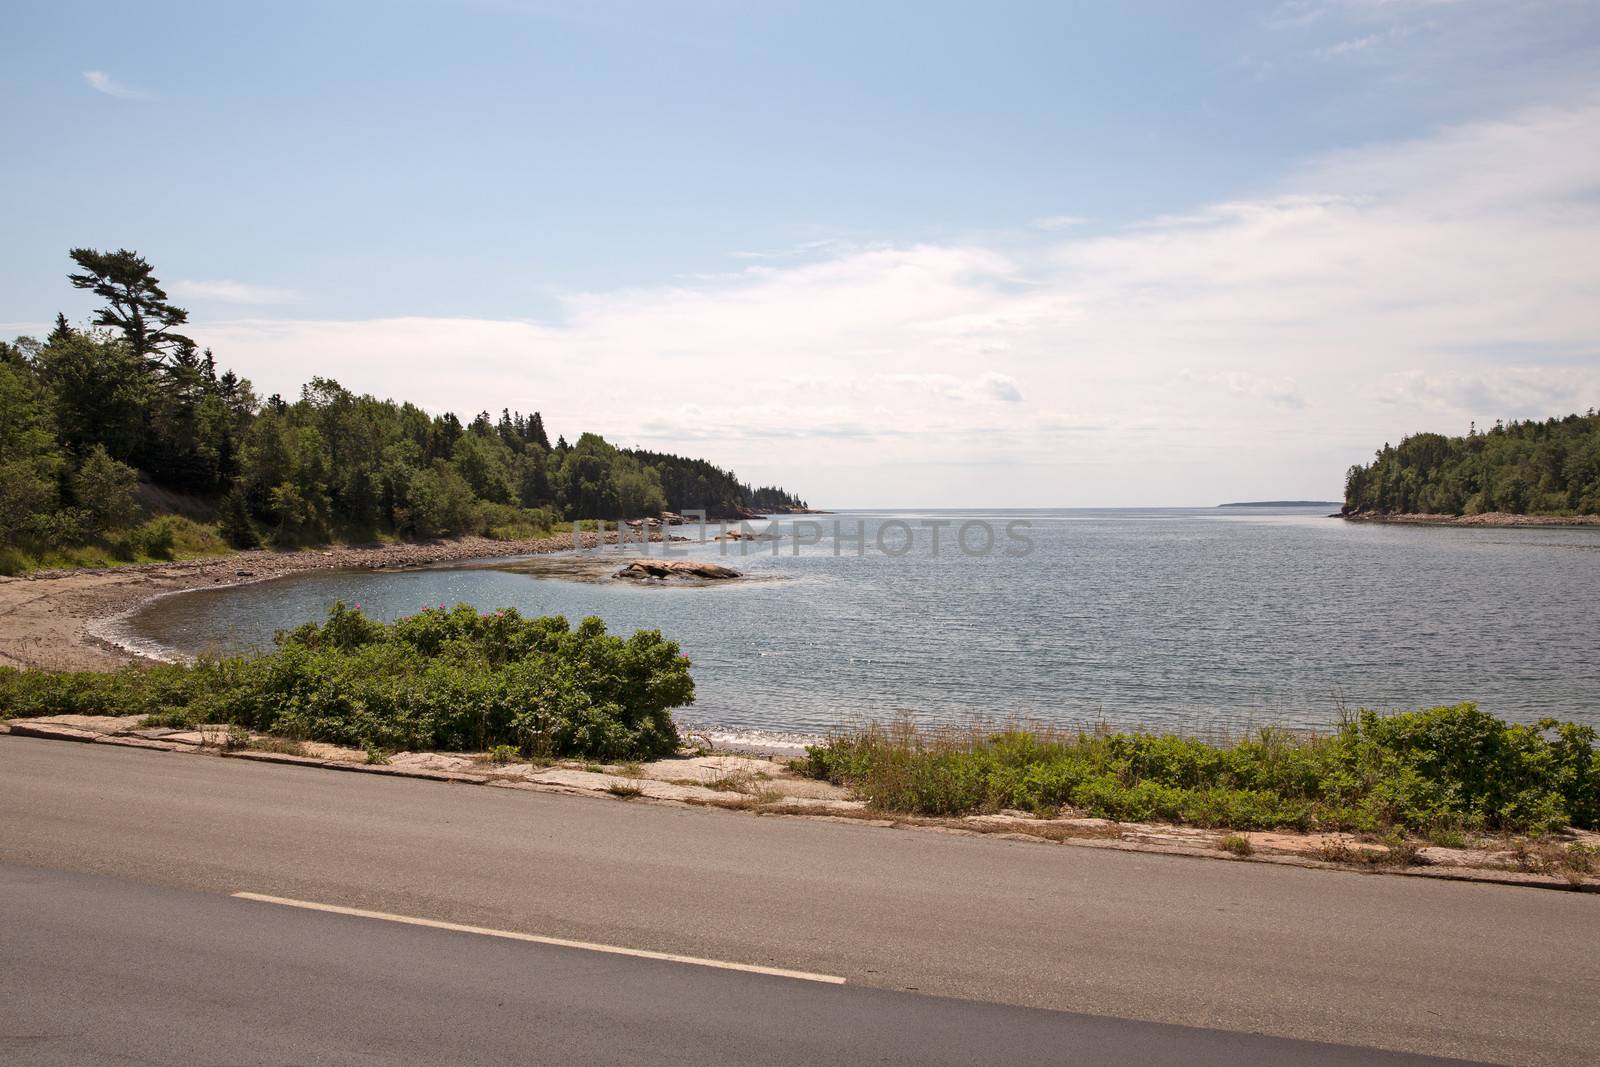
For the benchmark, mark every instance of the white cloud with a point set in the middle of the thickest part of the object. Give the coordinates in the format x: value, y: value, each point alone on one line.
x: 1254, y: 347
x: 808, y: 248
x: 1058, y: 222
x: 231, y: 292
x: 102, y: 82
x: 1351, y: 45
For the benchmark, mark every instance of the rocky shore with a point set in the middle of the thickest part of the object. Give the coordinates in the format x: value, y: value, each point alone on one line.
x: 47, y: 618
x: 1487, y: 518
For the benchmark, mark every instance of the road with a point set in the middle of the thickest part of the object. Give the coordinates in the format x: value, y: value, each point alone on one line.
x: 107, y: 971
x: 121, y: 862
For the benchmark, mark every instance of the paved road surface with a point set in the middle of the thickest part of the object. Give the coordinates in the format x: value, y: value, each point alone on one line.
x: 1480, y: 972
x: 104, y: 970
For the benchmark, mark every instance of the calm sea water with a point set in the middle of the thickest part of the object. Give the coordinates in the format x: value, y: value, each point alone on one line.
x: 1190, y: 619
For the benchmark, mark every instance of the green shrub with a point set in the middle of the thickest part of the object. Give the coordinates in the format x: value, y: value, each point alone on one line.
x: 1448, y: 769
x: 452, y: 680
x: 507, y: 522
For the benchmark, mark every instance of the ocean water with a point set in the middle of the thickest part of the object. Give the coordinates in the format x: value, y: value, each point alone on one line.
x: 1186, y: 619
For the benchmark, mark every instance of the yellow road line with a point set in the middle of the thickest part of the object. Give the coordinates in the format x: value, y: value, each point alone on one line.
x: 560, y: 942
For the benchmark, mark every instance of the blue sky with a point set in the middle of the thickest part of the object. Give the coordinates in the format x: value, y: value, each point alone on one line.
x: 886, y: 253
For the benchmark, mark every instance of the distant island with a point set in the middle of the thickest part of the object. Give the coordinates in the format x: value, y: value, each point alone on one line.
x: 1281, y: 504
x: 1515, y: 473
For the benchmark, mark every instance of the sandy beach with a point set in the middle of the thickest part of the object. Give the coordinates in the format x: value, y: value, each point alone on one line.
x: 47, y: 618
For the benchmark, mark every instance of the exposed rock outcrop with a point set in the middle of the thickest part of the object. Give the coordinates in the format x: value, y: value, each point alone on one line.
x: 663, y: 570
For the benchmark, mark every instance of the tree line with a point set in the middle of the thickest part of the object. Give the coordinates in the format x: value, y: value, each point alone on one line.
x: 103, y: 425
x: 1524, y: 468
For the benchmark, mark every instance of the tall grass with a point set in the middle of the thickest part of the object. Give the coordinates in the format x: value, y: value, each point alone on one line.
x: 1445, y: 768
x: 166, y: 537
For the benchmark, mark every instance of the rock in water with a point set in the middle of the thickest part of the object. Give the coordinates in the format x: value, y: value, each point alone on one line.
x: 679, y: 569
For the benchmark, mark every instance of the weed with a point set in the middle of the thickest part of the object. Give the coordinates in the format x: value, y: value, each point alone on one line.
x: 1446, y: 837
x: 734, y: 781
x: 1333, y: 850
x: 625, y: 790
x: 1401, y: 851
x: 500, y: 755
x: 1238, y: 844
x: 281, y: 745
x: 1544, y: 856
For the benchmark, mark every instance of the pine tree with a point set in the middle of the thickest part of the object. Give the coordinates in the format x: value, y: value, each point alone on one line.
x: 234, y: 523
x: 136, y: 303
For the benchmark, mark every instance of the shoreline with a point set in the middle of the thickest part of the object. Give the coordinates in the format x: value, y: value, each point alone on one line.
x: 57, y: 620
x: 1491, y: 519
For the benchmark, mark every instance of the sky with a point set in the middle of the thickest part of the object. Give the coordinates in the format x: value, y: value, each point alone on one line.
x: 883, y: 254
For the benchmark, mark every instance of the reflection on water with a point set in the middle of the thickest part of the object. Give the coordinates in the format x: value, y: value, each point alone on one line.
x: 1179, y: 618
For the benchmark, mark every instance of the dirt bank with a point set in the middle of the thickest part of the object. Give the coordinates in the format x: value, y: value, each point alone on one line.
x: 46, y: 617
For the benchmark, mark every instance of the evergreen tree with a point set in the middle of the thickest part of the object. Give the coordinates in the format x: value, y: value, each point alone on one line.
x: 106, y: 490
x: 234, y: 521
x: 135, y: 302
x: 30, y: 458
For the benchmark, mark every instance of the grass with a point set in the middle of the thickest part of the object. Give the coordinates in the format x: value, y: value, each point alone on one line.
x: 1448, y: 770
x: 738, y: 780
x: 164, y: 538
x: 1238, y: 844
x: 283, y: 746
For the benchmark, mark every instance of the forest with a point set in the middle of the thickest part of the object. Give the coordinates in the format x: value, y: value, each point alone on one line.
x: 122, y: 440
x: 1521, y: 468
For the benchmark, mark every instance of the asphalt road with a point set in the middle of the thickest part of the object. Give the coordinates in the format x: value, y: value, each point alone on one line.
x: 104, y: 970
x: 1480, y: 972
